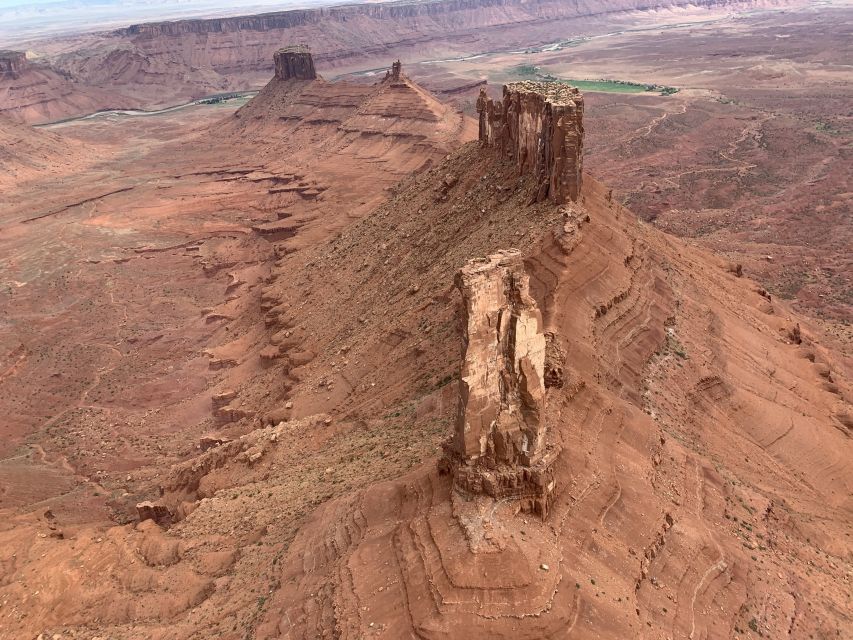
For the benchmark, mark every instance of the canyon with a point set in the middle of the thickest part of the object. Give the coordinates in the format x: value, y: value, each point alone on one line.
x: 152, y: 65
x: 359, y: 359
x: 735, y: 184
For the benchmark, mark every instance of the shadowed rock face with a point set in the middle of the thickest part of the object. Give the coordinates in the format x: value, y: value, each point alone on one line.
x: 395, y: 72
x: 540, y: 126
x: 498, y: 444
x: 12, y: 63
x: 294, y: 63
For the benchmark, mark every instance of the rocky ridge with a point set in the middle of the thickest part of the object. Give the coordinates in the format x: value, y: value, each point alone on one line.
x: 703, y: 477
x: 633, y: 494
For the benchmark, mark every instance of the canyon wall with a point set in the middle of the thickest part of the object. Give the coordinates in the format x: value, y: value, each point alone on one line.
x: 348, y: 36
x: 294, y: 62
x: 540, y: 126
x: 159, y: 64
x: 498, y: 447
x: 490, y: 11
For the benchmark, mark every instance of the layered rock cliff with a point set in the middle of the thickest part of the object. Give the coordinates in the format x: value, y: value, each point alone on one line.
x: 491, y: 12
x: 294, y: 62
x: 651, y: 396
x: 12, y: 63
x: 540, y: 126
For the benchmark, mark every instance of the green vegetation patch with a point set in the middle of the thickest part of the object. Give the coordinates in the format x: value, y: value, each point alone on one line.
x: 603, y: 86
x: 608, y: 86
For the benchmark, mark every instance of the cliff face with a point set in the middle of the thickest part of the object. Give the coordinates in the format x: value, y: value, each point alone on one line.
x: 540, y: 126
x: 33, y: 92
x: 294, y: 62
x: 394, y: 11
x: 12, y: 63
x: 304, y: 17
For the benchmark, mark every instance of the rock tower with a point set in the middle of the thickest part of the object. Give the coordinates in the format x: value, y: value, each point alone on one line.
x: 539, y: 125
x: 498, y: 447
x: 395, y: 72
x: 12, y: 63
x: 294, y: 62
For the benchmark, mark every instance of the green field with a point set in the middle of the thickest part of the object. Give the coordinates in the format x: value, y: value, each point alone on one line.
x: 609, y: 86
x: 604, y: 86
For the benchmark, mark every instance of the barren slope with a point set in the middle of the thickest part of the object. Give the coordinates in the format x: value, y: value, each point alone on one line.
x: 703, y: 485
x: 750, y: 156
x: 132, y: 301
x: 26, y: 153
x: 705, y: 460
x: 36, y: 92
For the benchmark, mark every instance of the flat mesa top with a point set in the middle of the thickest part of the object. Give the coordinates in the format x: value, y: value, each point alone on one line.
x: 294, y: 48
x: 553, y: 92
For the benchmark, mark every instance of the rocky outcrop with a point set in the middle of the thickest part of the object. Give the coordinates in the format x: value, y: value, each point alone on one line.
x: 12, y: 63
x: 540, y: 126
x: 394, y: 74
x: 498, y: 447
x: 159, y: 513
x: 294, y: 62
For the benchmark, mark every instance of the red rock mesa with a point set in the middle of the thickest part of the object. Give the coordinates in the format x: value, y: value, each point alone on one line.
x: 294, y: 62
x: 540, y: 125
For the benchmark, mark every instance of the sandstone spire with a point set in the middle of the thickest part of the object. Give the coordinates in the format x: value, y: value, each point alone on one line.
x: 498, y: 446
x: 540, y: 126
x: 395, y: 72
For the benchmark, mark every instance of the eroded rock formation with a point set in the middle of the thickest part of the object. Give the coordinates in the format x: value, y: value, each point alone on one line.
x: 394, y: 72
x: 12, y: 63
x: 499, y: 446
x: 540, y: 126
x: 155, y: 511
x: 294, y: 62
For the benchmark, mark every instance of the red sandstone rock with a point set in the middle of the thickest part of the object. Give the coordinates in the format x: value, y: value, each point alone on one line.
x: 499, y: 444
x: 294, y: 63
x: 540, y: 126
x: 12, y: 63
x: 157, y: 512
x: 211, y: 441
x: 223, y: 398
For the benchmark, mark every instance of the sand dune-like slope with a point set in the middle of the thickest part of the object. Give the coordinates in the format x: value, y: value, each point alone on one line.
x: 35, y: 92
x: 26, y: 153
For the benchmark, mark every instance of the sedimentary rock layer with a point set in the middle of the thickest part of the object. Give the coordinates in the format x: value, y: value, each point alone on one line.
x: 12, y: 63
x: 498, y: 445
x: 501, y: 389
x: 294, y: 62
x: 160, y: 64
x: 540, y: 126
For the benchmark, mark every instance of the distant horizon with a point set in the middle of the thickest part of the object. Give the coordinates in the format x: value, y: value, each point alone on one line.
x: 22, y: 23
